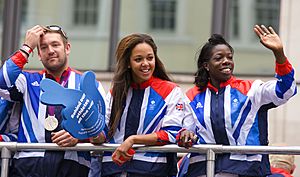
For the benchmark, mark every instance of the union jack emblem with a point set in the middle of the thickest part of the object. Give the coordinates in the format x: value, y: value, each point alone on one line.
x: 179, y: 106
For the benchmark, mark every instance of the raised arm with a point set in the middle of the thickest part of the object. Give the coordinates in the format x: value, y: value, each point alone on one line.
x: 11, y: 69
x: 281, y: 90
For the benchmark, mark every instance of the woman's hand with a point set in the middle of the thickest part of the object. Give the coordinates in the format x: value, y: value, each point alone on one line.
x: 270, y: 39
x: 124, y: 152
x: 186, y: 138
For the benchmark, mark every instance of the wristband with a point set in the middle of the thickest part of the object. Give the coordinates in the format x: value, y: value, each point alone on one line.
x: 26, y: 49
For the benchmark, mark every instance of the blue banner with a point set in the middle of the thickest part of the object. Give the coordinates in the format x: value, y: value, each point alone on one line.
x: 83, y: 110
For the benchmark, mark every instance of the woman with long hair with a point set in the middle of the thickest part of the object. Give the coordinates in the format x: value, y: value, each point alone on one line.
x: 144, y: 107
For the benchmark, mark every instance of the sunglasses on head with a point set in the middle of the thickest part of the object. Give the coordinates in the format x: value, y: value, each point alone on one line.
x: 56, y: 28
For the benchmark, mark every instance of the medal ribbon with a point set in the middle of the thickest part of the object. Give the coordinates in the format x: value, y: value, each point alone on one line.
x: 64, y: 79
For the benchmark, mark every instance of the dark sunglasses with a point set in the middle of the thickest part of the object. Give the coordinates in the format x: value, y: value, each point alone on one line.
x: 58, y: 29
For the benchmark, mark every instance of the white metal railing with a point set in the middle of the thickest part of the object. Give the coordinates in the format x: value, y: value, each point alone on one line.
x: 209, y: 150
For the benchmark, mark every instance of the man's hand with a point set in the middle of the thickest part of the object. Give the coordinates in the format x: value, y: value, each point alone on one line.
x: 33, y: 36
x: 63, y: 139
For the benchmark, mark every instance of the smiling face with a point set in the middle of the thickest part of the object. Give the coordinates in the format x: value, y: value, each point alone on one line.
x: 53, y: 53
x: 142, y: 62
x: 220, y: 66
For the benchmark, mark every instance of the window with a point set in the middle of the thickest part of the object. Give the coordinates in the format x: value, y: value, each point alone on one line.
x: 244, y: 14
x: 235, y: 19
x: 267, y: 12
x: 24, y: 11
x: 163, y: 15
x: 85, y: 12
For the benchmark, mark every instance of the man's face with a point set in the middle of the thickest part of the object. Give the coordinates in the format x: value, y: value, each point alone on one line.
x: 53, y: 53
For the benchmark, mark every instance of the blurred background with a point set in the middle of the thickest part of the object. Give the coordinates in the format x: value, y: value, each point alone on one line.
x: 179, y: 28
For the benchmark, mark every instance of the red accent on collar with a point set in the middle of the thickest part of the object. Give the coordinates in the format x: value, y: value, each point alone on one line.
x: 192, y: 92
x: 64, y: 75
x: 143, y: 85
x: 222, y: 84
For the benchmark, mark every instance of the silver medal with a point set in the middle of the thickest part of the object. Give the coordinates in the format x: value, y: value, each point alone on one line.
x: 51, y: 123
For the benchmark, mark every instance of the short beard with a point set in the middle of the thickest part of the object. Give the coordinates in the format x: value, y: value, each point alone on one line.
x: 56, y: 68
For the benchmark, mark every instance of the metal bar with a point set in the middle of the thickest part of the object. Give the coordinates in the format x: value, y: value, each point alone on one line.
x: 210, y: 163
x: 5, y: 155
x: 261, y: 149
x: 210, y: 150
x: 218, y: 149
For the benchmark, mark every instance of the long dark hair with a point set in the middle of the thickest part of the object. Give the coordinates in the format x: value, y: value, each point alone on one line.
x: 205, y: 54
x: 123, y: 78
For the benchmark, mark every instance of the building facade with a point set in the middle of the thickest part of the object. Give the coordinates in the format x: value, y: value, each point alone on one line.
x: 179, y: 28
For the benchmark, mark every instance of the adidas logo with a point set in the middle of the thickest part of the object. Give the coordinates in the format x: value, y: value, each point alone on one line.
x: 35, y: 83
x: 199, y: 105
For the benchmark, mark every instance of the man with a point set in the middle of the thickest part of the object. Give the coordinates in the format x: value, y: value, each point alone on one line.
x: 40, y: 123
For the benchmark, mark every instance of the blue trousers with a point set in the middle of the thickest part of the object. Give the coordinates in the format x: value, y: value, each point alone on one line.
x: 51, y: 165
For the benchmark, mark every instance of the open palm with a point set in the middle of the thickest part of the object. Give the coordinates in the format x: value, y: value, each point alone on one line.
x: 268, y: 37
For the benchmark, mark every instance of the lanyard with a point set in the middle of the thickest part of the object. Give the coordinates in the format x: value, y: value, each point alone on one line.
x: 51, y: 109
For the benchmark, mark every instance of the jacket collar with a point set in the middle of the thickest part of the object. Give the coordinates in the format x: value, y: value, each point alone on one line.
x: 143, y: 85
x: 222, y: 84
x: 64, y: 75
